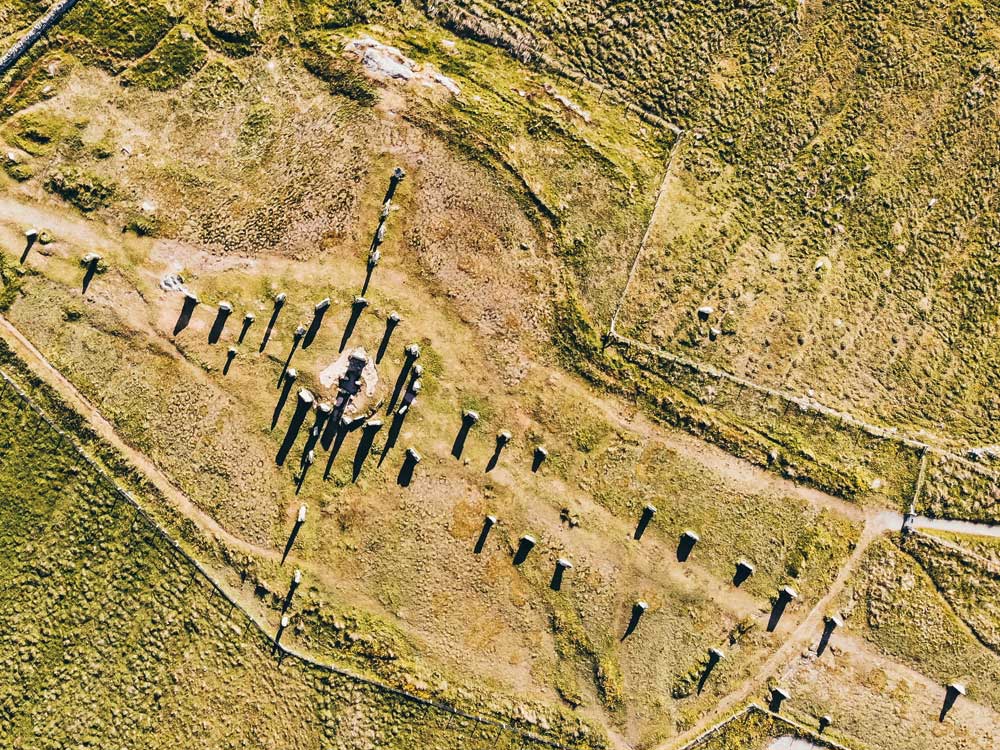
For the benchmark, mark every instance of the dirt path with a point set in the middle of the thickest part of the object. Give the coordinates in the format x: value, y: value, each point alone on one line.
x: 748, y: 476
x: 37, y: 361
x: 207, y: 526
x: 807, y: 631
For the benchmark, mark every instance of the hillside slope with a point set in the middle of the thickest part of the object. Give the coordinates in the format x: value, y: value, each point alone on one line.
x: 839, y: 216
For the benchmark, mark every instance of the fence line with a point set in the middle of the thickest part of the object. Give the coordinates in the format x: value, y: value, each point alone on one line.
x: 36, y: 32
x: 754, y: 708
x: 260, y: 628
x: 805, y: 403
x: 649, y: 229
x: 716, y: 728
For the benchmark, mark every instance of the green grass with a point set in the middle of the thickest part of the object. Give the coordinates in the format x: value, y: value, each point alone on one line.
x: 17, y: 15
x: 230, y: 474
x: 110, y: 32
x: 36, y: 81
x: 333, y: 14
x: 985, y: 547
x: 38, y: 131
x: 670, y: 73
x: 177, y: 57
x: 11, y: 283
x: 85, y: 190
x: 898, y: 607
x: 110, y: 635
x: 327, y: 63
x: 970, y: 586
x: 866, y: 150
x: 234, y: 23
x: 526, y: 216
x: 956, y: 489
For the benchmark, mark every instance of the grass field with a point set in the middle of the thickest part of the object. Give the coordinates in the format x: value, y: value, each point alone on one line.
x: 99, y: 605
x: 836, y: 225
x: 241, y: 150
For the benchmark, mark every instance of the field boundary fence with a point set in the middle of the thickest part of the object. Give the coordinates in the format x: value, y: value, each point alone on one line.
x: 753, y: 708
x: 842, y: 447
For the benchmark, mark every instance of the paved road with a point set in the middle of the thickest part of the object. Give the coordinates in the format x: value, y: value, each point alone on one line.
x: 889, y: 521
x: 976, y: 528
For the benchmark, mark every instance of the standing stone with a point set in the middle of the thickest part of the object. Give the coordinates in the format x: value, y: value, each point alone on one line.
x: 525, y: 544
x: 488, y: 523
x: 743, y: 571
x: 539, y: 458
x: 638, y: 610
x: 648, y: 512
x: 778, y: 696
x: 285, y: 620
x: 562, y: 565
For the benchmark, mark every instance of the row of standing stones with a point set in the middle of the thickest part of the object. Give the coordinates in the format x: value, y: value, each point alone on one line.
x: 334, y: 414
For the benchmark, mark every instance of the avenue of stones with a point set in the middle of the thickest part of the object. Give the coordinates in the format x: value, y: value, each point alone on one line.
x: 348, y: 411
x: 798, y: 165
